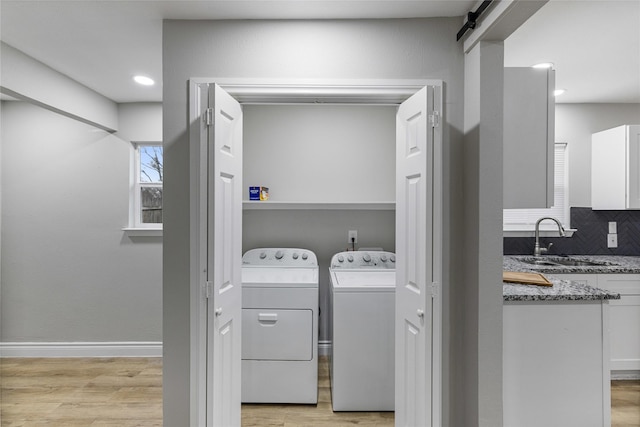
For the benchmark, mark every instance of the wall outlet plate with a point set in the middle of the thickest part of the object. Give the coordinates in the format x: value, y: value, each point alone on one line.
x: 352, y: 234
x: 612, y: 240
x: 613, y: 227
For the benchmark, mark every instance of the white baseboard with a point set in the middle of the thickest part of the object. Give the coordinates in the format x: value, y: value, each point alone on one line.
x: 81, y: 349
x: 324, y: 348
x: 625, y: 375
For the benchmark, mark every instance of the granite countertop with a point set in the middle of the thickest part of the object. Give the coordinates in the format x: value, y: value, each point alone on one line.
x: 566, y: 290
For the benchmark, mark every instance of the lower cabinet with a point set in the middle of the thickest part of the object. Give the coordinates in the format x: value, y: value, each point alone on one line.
x: 556, y: 364
x: 624, y: 322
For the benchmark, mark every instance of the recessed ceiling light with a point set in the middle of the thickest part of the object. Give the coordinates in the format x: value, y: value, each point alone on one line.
x: 544, y: 65
x: 144, y: 80
x: 558, y: 92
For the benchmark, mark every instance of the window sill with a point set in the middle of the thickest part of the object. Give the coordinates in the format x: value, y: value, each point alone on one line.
x: 137, y: 232
x: 543, y: 233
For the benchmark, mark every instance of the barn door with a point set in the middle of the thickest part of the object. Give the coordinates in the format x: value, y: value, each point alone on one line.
x: 418, y: 255
x: 224, y: 258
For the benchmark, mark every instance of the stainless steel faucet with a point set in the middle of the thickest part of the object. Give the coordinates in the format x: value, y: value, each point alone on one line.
x: 537, y: 250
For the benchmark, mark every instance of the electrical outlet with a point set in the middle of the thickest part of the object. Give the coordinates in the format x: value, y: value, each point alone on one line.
x: 613, y: 227
x: 612, y: 240
x: 353, y: 234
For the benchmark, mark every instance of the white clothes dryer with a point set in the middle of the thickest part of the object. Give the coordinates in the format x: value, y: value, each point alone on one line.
x: 279, y: 326
x: 362, y: 367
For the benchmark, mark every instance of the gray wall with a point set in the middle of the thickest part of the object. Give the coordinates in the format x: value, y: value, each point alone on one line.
x: 393, y: 49
x: 69, y: 274
x: 320, y: 153
x: 574, y: 125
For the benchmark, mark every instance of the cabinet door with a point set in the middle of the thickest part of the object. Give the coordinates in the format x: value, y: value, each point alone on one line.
x: 632, y: 138
x: 615, y: 168
x: 624, y: 323
x: 608, y: 169
x: 529, y: 121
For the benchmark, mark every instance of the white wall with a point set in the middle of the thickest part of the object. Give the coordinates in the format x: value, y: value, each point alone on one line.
x: 574, y: 125
x: 363, y: 49
x: 140, y: 121
x: 479, y: 356
x: 69, y: 273
x: 321, y: 153
x: 25, y: 78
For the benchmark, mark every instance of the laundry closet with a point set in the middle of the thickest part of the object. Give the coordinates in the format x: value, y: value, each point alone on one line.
x: 329, y: 168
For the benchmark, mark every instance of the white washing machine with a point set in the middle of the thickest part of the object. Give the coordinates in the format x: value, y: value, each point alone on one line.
x: 279, y: 326
x: 362, y: 365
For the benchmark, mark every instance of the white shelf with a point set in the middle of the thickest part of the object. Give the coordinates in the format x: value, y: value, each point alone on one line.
x: 277, y: 205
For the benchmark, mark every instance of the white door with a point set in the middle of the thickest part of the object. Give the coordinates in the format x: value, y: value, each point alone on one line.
x: 224, y: 259
x: 417, y: 271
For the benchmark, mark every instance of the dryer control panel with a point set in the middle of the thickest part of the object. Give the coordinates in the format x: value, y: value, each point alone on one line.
x: 279, y: 257
x: 364, y: 260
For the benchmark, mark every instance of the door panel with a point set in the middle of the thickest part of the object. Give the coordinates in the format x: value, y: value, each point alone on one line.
x: 224, y: 259
x: 414, y: 267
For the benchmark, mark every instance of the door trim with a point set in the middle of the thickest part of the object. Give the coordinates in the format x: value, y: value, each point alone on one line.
x: 268, y: 91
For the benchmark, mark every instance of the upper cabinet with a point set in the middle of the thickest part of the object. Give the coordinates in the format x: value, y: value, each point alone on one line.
x: 529, y: 127
x: 615, y: 168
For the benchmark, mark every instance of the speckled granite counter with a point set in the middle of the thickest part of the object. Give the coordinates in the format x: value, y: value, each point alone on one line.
x: 565, y: 290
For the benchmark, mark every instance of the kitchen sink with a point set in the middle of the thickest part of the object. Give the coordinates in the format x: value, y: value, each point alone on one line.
x: 563, y: 261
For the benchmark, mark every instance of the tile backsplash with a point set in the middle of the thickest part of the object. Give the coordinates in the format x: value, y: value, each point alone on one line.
x: 590, y: 237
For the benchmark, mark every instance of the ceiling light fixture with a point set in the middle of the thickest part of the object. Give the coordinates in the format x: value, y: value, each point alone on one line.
x: 144, y: 80
x: 558, y: 92
x: 543, y: 65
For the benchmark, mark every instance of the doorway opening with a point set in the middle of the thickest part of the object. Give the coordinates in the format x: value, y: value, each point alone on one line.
x: 418, y: 183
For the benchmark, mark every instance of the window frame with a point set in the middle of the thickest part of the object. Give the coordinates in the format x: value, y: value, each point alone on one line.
x: 136, y: 185
x: 515, y: 229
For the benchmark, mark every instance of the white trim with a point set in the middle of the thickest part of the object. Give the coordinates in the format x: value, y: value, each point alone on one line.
x: 264, y: 91
x: 324, y: 348
x: 312, y: 91
x: 543, y: 233
x: 82, y: 349
x: 625, y: 375
x: 277, y: 205
x: 137, y: 232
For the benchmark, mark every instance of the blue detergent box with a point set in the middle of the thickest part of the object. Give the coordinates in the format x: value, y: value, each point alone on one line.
x: 258, y: 193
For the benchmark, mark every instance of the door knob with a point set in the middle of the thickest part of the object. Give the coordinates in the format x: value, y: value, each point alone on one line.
x: 420, y: 313
x: 218, y: 311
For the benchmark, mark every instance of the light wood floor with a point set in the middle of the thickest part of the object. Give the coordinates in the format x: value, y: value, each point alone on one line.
x: 127, y: 392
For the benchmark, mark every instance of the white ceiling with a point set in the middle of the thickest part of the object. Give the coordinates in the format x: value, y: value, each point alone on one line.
x: 595, y: 44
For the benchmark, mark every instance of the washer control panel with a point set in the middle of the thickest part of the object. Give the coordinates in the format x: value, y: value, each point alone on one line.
x: 279, y: 257
x: 364, y: 259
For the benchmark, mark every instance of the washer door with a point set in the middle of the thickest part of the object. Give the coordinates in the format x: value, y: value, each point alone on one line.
x: 277, y: 334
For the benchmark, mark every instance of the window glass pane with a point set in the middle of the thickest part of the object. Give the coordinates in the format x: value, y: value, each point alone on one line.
x: 151, y: 203
x: 151, y: 163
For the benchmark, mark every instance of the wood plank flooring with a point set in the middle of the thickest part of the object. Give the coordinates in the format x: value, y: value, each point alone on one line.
x: 127, y: 392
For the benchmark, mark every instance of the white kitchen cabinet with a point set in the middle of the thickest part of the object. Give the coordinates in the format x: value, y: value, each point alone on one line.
x: 555, y: 364
x: 625, y: 322
x: 529, y: 137
x: 624, y: 319
x: 615, y: 168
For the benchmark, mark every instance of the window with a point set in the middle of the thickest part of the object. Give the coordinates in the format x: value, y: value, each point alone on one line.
x: 146, y: 197
x: 525, y: 219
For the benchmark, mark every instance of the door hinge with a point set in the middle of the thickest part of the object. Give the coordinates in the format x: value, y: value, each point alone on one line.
x: 208, y: 290
x: 434, y: 289
x: 208, y: 116
x: 434, y: 119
